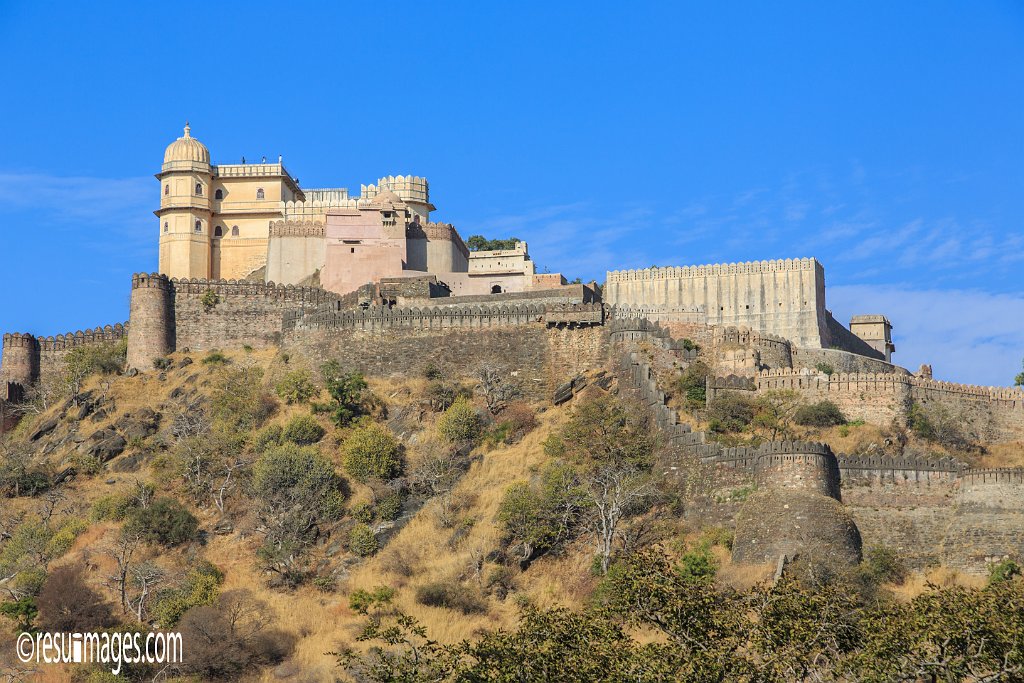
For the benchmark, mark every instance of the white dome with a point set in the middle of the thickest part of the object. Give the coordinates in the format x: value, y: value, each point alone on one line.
x: 187, y: 148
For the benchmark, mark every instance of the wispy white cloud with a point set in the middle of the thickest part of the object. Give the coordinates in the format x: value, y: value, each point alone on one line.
x: 968, y: 336
x: 107, y: 216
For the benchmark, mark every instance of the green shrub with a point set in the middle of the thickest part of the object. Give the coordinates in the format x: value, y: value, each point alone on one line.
x: 450, y: 595
x: 296, y: 387
x: 698, y: 565
x: 240, y: 402
x: 297, y: 488
x: 372, y: 452
x: 362, y: 541
x: 432, y: 372
x: 1004, y: 570
x: 268, y: 437
x: 460, y: 423
x: 164, y: 521
x: 115, y: 507
x: 209, y: 300
x: 201, y: 587
x: 161, y: 363
x: 690, y: 345
x: 346, y: 392
x: 730, y: 413
x: 362, y: 513
x: 389, y: 508
x: 691, y: 384
x: 883, y: 565
x: 821, y: 414
x: 215, y: 358
x: 303, y: 430
x: 824, y: 368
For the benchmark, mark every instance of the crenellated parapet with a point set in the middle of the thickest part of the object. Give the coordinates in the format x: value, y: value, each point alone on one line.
x: 150, y: 281
x: 108, y: 334
x: 297, y: 228
x: 745, y: 336
x: 677, y: 272
x: 245, y: 288
x: 19, y: 340
x: 434, y: 317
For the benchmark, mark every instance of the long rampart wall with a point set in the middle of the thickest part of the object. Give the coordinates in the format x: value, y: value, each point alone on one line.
x: 25, y: 358
x: 444, y: 317
x: 989, y: 413
x: 784, y: 297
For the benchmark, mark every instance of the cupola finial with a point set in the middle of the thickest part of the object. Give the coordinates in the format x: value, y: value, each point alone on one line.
x: 188, y: 130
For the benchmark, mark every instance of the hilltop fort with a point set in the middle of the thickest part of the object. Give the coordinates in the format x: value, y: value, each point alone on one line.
x: 248, y: 257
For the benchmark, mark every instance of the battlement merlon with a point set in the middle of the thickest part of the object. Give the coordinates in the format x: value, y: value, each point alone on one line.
x: 675, y: 272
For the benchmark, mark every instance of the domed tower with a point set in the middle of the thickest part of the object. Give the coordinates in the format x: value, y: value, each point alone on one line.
x: 795, y: 510
x: 186, y: 209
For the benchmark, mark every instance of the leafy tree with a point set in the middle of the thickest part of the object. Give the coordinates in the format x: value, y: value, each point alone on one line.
x: 239, y: 402
x: 371, y: 451
x: 1018, y: 381
x: 952, y: 634
x: 730, y: 412
x: 303, y: 430
x: 211, y: 464
x: 691, y: 384
x: 820, y: 414
x: 605, y: 430
x: 611, y: 444
x: 296, y: 387
x: 883, y: 565
x: 83, y: 361
x: 775, y: 410
x: 938, y: 424
x: 481, y: 243
x: 346, y: 390
x: 460, y: 424
x: 537, y: 519
x: 297, y: 489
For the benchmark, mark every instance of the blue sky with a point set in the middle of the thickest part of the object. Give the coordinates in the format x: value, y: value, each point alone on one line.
x: 885, y: 139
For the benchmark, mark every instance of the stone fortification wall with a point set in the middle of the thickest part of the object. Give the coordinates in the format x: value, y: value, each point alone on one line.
x: 784, y: 297
x: 795, y: 510
x: 172, y: 314
x: 538, y: 355
x: 296, y: 249
x: 333, y: 317
x: 26, y: 358
x: 565, y: 294
x: 992, y: 414
x: 987, y: 523
x: 842, y: 361
x: 843, y: 339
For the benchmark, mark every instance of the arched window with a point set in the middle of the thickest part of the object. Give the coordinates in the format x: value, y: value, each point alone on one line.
x: 218, y: 231
x: 166, y: 226
x: 219, y: 194
x: 260, y: 194
x: 199, y: 226
x: 167, y: 189
x: 234, y: 231
x: 496, y: 289
x: 199, y: 189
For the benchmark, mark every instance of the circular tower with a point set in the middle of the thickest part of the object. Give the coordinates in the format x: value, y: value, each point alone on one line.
x: 20, y: 359
x: 795, y: 510
x: 151, y: 321
x: 186, y: 209
x: 988, y: 520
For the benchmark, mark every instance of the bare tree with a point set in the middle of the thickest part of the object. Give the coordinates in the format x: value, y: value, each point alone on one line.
x: 123, y: 552
x: 615, y: 492
x: 144, y: 578
x: 496, y: 387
